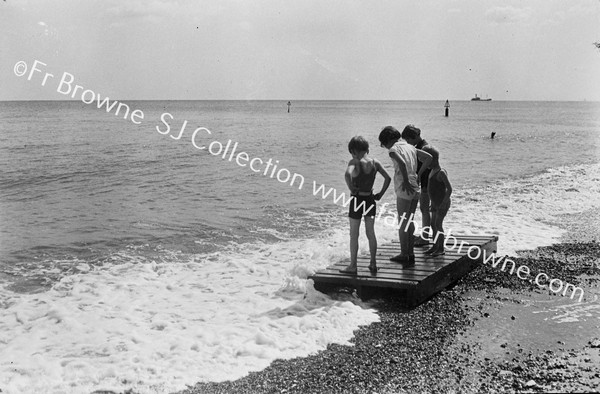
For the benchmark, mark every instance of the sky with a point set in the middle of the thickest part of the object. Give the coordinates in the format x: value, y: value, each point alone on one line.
x: 313, y: 50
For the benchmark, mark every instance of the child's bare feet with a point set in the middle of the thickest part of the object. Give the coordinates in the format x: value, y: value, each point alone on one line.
x: 351, y: 269
x: 431, y: 250
x: 410, y: 262
x: 373, y: 267
x: 420, y: 241
x: 401, y: 258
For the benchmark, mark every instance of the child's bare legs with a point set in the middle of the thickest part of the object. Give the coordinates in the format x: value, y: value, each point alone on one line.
x: 403, y: 208
x: 354, y: 229
x: 437, y: 224
x: 425, y: 218
x: 370, y: 230
x: 406, y: 208
x: 410, y: 231
x: 437, y: 236
x: 424, y: 207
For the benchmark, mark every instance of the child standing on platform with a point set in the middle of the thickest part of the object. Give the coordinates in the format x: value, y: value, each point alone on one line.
x: 412, y: 135
x: 360, y: 177
x: 405, y: 158
x: 440, y: 190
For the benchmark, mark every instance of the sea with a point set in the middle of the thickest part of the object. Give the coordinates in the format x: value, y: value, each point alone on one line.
x: 154, y: 251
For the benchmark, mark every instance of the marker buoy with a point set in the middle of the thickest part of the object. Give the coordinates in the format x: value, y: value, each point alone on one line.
x: 447, y: 106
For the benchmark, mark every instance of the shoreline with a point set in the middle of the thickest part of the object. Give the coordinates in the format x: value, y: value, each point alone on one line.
x: 452, y: 342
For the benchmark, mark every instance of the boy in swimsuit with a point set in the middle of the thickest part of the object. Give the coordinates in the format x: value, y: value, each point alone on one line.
x: 405, y: 157
x: 360, y: 177
x: 440, y: 190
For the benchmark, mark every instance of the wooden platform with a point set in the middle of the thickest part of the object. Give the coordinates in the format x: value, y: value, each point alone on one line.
x: 428, y: 276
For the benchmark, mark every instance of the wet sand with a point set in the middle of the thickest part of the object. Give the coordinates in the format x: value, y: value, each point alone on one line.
x: 492, y: 332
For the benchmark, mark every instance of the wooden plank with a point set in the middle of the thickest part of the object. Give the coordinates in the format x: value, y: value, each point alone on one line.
x: 467, y: 236
x: 373, y: 281
x: 421, y: 264
x: 459, y: 248
x: 390, y: 269
x: 419, y: 260
x: 387, y: 274
x: 421, y: 249
x: 424, y: 259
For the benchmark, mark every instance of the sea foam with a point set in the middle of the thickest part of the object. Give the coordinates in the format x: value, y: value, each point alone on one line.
x: 158, y: 327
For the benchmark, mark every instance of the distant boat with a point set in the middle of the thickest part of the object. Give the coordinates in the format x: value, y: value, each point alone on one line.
x: 480, y: 99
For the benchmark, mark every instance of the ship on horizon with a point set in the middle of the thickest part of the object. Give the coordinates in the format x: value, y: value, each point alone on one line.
x: 480, y: 99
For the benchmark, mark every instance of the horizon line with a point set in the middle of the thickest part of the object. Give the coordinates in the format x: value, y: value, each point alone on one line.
x: 304, y: 99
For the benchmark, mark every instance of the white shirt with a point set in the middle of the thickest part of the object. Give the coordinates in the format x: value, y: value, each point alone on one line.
x: 408, y: 153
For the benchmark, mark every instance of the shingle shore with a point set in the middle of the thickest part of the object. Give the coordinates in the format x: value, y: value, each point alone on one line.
x: 413, y: 350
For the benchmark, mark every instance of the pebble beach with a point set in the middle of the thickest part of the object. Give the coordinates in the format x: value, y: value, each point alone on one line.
x: 448, y: 344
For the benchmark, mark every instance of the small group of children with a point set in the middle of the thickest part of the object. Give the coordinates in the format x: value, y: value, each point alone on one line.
x: 360, y: 178
x: 432, y: 213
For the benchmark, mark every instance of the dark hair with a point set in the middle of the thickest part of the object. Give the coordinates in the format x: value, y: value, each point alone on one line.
x: 411, y: 132
x: 358, y: 144
x: 388, y: 134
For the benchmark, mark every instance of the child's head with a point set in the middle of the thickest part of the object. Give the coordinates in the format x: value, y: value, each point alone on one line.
x: 411, y: 134
x: 358, y: 145
x: 389, y: 134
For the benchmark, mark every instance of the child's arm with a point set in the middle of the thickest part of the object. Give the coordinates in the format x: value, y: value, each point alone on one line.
x: 386, y: 180
x: 406, y: 183
x: 424, y: 158
x: 349, y: 174
x: 444, y: 178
